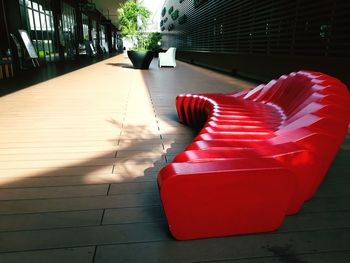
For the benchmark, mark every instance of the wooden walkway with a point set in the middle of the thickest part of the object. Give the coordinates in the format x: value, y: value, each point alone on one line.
x: 79, y: 156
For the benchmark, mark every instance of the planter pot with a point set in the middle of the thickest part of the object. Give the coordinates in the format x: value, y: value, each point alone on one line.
x: 140, y: 59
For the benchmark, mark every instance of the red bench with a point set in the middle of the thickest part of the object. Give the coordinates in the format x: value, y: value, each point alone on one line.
x: 258, y: 156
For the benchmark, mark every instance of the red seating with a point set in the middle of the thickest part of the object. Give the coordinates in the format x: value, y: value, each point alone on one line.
x: 258, y: 156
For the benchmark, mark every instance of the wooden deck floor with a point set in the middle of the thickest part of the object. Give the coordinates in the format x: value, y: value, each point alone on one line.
x: 79, y: 156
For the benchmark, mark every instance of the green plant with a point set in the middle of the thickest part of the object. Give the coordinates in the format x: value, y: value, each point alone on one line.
x: 153, y: 41
x: 132, y: 22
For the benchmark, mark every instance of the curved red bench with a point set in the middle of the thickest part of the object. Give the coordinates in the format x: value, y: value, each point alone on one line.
x: 258, y: 156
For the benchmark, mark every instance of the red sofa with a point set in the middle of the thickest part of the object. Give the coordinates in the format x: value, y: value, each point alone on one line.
x: 258, y: 156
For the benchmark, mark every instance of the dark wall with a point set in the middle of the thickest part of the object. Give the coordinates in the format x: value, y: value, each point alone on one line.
x: 3, y: 29
x: 262, y: 38
x: 9, y: 12
x: 13, y: 15
x: 267, y: 67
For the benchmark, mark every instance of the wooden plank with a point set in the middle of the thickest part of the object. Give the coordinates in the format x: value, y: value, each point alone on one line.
x: 82, y: 236
x: 57, y: 163
x: 63, y: 134
x: 137, y: 169
x: 178, y: 138
x: 316, y: 221
x: 50, y: 220
x: 323, y: 257
x: 327, y: 204
x: 141, y: 146
x: 78, y: 203
x: 150, y: 153
x: 140, y: 141
x: 133, y: 188
x: 60, y: 144
x: 45, y: 181
x: 63, y: 125
x: 175, y: 148
x: 334, y: 189
x: 78, y: 255
x: 57, y: 156
x: 139, y: 133
x: 133, y: 215
x: 14, y: 113
x: 299, y: 242
x: 140, y: 156
x: 175, y: 130
x: 72, y: 149
x: 235, y: 247
x: 53, y: 192
x: 63, y: 171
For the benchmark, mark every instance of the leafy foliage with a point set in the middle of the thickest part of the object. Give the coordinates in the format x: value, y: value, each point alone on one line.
x: 154, y: 39
x: 133, y: 17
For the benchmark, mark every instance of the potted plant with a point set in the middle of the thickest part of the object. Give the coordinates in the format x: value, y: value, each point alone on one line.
x: 133, y: 17
x: 154, y: 39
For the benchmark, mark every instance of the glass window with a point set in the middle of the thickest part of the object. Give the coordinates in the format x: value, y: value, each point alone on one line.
x: 85, y: 21
x: 68, y: 30
x: 36, y: 21
x: 29, y: 3
x: 34, y: 6
x: 94, y: 34
x: 31, y: 20
x: 37, y: 17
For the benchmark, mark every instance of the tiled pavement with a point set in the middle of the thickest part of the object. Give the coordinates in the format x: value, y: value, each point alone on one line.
x: 79, y: 156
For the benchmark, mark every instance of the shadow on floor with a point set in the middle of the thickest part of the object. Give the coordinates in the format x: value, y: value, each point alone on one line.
x: 121, y: 65
x: 32, y: 76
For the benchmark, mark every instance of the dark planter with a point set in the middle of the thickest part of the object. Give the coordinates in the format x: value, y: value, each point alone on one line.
x: 140, y: 59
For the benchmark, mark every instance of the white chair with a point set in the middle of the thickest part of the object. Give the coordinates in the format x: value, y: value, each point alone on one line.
x: 167, y: 58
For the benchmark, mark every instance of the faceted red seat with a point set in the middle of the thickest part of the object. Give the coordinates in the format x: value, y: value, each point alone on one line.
x: 258, y: 155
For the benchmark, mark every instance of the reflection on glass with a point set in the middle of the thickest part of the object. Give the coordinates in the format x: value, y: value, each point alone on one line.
x: 85, y: 21
x: 68, y: 33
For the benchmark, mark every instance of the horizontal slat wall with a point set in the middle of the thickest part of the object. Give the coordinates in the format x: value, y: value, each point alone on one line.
x: 282, y: 28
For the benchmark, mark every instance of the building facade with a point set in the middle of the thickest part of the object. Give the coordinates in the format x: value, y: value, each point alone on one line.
x: 58, y: 29
x: 260, y: 39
